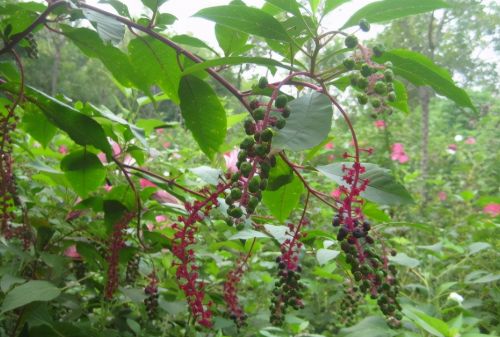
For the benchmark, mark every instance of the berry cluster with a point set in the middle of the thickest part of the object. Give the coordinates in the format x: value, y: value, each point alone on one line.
x: 288, y: 289
x: 132, y: 269
x: 347, y: 315
x: 116, y: 243
x: 187, y: 270
x: 236, y: 312
x: 151, y: 301
x: 254, y: 161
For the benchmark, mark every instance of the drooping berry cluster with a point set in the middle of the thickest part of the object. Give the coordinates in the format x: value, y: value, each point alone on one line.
x: 288, y: 289
x: 347, y: 315
x: 254, y: 161
x: 236, y: 312
x: 187, y: 270
x: 132, y: 269
x: 151, y: 300
x: 116, y: 243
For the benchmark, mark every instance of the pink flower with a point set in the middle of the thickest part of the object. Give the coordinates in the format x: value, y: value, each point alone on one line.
x: 159, y: 131
x: 329, y: 146
x: 492, y: 209
x: 166, y: 145
x: 116, y: 148
x: 165, y: 197
x: 380, y: 124
x: 72, y: 253
x: 331, y: 157
x: 102, y: 157
x: 146, y: 183
x: 470, y: 140
x: 336, y: 193
x: 160, y: 218
x: 442, y: 196
x: 63, y: 149
x: 231, y: 159
x: 399, y: 154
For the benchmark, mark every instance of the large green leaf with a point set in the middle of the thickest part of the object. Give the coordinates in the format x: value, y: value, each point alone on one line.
x: 308, y: 125
x: 37, y: 125
x: 382, y: 187
x: 230, y: 40
x: 270, y: 63
x: 432, y: 325
x: 246, y: 19
x: 84, y: 171
x: 420, y: 70
x: 29, y: 292
x: 284, y: 200
x: 80, y: 128
x: 330, y: 5
x: 204, y: 114
x: 191, y: 41
x: 107, y: 27
x: 387, y: 10
x: 291, y: 6
x: 280, y: 175
x: 158, y: 64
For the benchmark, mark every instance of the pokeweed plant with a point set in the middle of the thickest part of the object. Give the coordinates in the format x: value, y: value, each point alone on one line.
x: 105, y: 165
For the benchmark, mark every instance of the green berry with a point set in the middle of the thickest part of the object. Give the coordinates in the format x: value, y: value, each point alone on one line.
x: 380, y: 88
x: 286, y: 112
x: 364, y: 25
x: 349, y: 64
x: 261, y: 150
x: 376, y: 103
x: 249, y: 126
x: 263, y: 83
x: 259, y: 114
x: 245, y: 169
x: 366, y: 70
x: 229, y: 222
x: 391, y: 97
x: 247, y: 143
x: 240, y: 226
x: 254, y: 184
x: 378, y: 50
x: 265, y: 167
x: 388, y: 64
x: 235, y: 193
x: 363, y: 83
x: 242, y: 155
x: 281, y: 101
x: 253, y: 202
x: 235, y: 177
x: 389, y: 75
x: 280, y: 123
x: 351, y: 41
x: 229, y: 200
x: 267, y: 135
x: 362, y: 99
x: 263, y: 184
x: 354, y: 78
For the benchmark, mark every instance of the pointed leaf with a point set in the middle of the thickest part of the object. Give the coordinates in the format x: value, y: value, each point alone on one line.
x: 290, y: 6
x: 29, y: 292
x: 387, y: 10
x: 434, y: 326
x: 270, y: 63
x: 284, y: 200
x: 308, y: 125
x: 230, y: 40
x: 107, y: 27
x: 326, y: 255
x: 84, y: 171
x: 247, y: 234
x: 420, y: 70
x: 382, y: 187
x: 330, y: 5
x: 279, y: 175
x: 246, y: 19
x: 37, y: 125
x: 204, y: 114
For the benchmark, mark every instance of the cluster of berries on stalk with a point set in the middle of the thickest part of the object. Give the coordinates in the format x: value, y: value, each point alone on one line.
x: 288, y: 289
x: 254, y: 159
x: 348, y: 313
x: 132, y: 271
x: 151, y: 300
x: 236, y: 312
x: 115, y: 245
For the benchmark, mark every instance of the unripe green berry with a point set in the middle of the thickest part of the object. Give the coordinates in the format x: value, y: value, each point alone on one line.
x: 376, y: 103
x: 354, y: 78
x: 249, y: 126
x: 349, y: 64
x: 266, y: 135
x: 388, y: 75
x: 265, y: 167
x: 378, y: 50
x: 229, y: 200
x: 235, y: 177
x: 253, y: 202
x: 362, y: 99
x: 351, y: 41
x: 240, y: 226
x: 388, y: 64
x: 242, y: 155
x: 254, y: 104
x: 254, y: 184
x: 363, y: 83
x: 380, y: 88
x: 286, y: 112
x: 366, y: 70
x: 364, y: 25
x: 259, y: 114
x: 391, y: 97
x: 281, y: 101
x: 235, y: 212
x: 262, y: 150
x: 263, y: 184
x: 245, y: 169
x: 280, y: 123
x: 263, y: 83
x: 247, y: 143
x: 235, y: 193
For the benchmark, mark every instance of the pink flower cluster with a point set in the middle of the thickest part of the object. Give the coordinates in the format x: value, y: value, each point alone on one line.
x: 380, y: 124
x: 492, y: 209
x: 399, y: 154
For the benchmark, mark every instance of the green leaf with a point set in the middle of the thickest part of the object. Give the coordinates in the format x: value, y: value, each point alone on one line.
x: 120, y: 7
x: 279, y: 175
x: 107, y: 27
x: 37, y: 125
x: 401, y: 102
x: 153, y: 4
x: 381, y: 189
x: 270, y: 63
x: 84, y: 171
x: 204, y: 114
x: 247, y: 20
x: 192, y: 41
x: 207, y: 174
x: 387, y: 10
x: 308, y: 125
x: 326, y: 255
x: 476, y: 247
x: 284, y: 200
x: 420, y: 70
x: 290, y: 6
x: 404, y: 260
x: 371, y: 326
x: 29, y: 292
x: 330, y: 5
x: 434, y: 326
x: 80, y: 128
x: 247, y: 234
x: 230, y: 40
x: 157, y: 63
